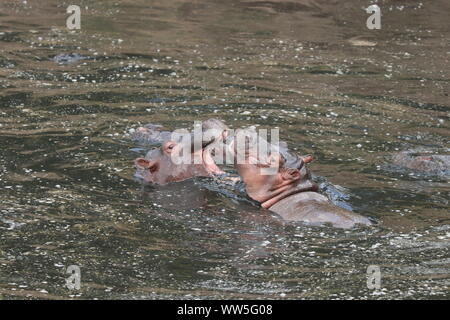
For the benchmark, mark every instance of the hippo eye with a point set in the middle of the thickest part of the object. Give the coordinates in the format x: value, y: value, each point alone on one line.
x: 171, y: 146
x: 168, y: 146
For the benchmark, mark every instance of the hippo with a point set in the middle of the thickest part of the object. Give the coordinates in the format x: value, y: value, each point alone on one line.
x: 158, y: 166
x: 423, y: 162
x: 151, y: 134
x: 289, y: 191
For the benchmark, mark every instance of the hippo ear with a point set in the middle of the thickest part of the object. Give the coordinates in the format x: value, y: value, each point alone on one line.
x: 168, y: 146
x: 144, y: 164
x: 307, y: 159
x: 290, y: 174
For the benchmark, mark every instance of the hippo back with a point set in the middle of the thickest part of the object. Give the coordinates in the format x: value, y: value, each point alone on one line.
x: 315, y: 209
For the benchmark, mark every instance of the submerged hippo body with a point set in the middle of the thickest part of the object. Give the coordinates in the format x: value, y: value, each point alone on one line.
x: 151, y: 134
x: 423, y: 162
x: 289, y: 192
x: 64, y: 58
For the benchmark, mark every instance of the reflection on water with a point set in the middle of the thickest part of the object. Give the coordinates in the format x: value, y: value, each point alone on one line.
x: 348, y: 95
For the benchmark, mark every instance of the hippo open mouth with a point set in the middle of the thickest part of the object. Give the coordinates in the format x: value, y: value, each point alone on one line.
x: 208, y: 161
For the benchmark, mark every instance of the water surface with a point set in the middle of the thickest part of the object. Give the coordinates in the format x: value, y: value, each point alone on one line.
x: 349, y: 95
